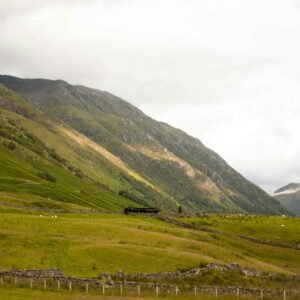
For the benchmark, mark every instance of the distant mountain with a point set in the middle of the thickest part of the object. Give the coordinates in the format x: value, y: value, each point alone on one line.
x: 289, y: 197
x: 288, y: 189
x: 141, y: 160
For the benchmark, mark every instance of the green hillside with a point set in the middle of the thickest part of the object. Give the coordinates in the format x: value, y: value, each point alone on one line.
x: 148, y: 162
x: 53, y: 165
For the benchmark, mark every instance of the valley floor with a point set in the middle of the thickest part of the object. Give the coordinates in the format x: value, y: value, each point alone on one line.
x: 87, y: 245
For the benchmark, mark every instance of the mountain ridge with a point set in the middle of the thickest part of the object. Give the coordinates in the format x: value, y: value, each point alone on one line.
x: 289, y: 197
x: 179, y: 166
x: 289, y: 187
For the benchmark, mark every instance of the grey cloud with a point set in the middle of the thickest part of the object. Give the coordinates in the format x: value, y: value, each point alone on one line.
x: 11, y: 8
x: 226, y: 72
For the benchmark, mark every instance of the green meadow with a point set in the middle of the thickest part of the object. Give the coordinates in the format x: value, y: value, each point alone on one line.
x: 87, y: 245
x: 280, y: 229
x: 20, y: 294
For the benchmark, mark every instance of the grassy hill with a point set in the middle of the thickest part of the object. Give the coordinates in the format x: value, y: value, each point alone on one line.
x: 112, y: 142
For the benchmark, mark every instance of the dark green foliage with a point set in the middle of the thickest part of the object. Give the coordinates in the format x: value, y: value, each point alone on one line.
x: 11, y: 145
x: 47, y: 176
x: 77, y: 172
x: 179, y: 209
x: 4, y: 133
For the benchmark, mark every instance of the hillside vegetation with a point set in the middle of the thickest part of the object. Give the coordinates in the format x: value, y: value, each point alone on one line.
x: 119, y: 153
x: 52, y: 164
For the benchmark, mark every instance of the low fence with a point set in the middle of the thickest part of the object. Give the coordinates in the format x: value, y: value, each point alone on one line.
x: 139, y: 289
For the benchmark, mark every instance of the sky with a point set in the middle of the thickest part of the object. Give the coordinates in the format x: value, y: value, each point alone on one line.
x: 226, y: 72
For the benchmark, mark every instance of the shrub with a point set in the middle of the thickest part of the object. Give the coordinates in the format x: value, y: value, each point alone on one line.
x: 11, y: 145
x: 4, y: 133
x: 47, y: 176
x: 179, y: 209
x: 12, y: 122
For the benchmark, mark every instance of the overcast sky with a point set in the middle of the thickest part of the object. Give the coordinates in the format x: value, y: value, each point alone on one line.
x: 226, y: 72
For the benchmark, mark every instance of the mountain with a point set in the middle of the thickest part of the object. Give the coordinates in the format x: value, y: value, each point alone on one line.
x: 289, y: 197
x: 288, y: 189
x: 139, y: 159
x: 41, y: 166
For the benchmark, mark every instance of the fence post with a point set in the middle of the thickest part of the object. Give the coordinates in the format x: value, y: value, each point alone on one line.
x: 87, y: 287
x: 176, y: 290
x: 1, y: 281
x: 58, y: 285
x: 121, y: 289
x: 238, y: 292
x: 261, y: 294
x: 139, y: 290
x: 31, y: 283
x: 216, y: 293
x: 157, y: 290
x: 16, y: 281
x: 284, y: 295
x: 45, y: 284
x: 70, y: 286
x: 103, y: 289
x: 195, y: 291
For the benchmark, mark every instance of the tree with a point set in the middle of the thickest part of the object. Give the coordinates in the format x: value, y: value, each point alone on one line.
x: 179, y: 209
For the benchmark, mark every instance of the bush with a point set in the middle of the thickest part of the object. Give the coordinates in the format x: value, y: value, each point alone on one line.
x: 77, y: 172
x: 4, y: 133
x: 179, y: 209
x: 11, y: 145
x: 47, y: 176
x: 12, y: 122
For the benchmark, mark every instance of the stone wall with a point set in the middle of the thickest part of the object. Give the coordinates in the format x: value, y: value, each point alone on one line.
x: 186, y: 274
x: 123, y: 280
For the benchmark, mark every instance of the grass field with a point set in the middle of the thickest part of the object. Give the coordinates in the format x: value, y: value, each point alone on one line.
x: 20, y: 294
x: 276, y: 228
x: 89, y: 244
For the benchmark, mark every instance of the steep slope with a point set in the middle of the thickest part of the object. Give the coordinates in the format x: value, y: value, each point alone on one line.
x: 45, y: 159
x: 289, y: 197
x: 177, y: 166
